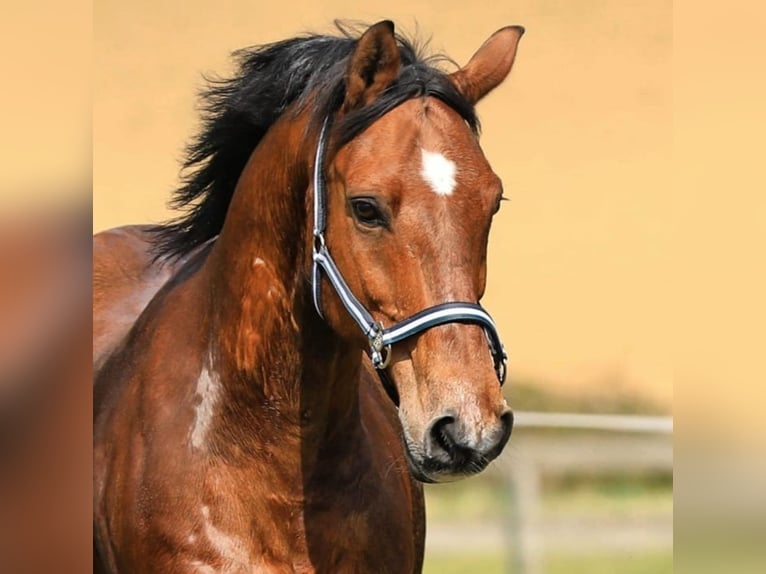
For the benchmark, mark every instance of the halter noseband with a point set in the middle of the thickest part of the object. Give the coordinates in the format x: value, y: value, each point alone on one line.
x: 380, y: 338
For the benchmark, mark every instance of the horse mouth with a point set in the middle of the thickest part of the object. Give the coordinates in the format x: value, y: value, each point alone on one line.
x: 430, y: 470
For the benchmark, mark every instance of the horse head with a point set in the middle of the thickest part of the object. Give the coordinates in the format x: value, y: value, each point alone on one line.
x: 409, y: 203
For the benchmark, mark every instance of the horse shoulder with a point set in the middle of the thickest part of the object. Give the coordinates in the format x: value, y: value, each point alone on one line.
x: 142, y: 430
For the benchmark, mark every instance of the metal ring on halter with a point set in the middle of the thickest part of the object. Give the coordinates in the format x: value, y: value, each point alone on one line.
x: 380, y: 359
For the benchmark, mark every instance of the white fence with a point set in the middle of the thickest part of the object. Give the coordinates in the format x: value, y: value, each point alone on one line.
x: 624, y: 443
x: 558, y: 443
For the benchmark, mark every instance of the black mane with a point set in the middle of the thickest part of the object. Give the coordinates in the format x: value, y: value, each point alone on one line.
x: 237, y: 113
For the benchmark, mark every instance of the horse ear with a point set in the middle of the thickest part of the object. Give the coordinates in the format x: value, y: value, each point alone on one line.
x: 490, y: 65
x: 372, y: 67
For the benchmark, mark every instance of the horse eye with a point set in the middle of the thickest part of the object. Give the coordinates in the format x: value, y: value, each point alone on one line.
x: 367, y: 213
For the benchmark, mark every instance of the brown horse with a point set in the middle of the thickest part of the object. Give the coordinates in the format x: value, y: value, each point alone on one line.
x: 239, y: 427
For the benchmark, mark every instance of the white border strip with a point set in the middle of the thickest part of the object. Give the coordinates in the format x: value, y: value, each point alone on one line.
x: 629, y: 423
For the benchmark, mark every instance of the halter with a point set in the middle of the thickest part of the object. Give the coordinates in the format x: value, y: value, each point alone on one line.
x: 380, y: 339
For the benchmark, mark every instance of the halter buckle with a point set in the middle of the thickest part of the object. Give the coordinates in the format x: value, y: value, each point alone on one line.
x: 379, y: 353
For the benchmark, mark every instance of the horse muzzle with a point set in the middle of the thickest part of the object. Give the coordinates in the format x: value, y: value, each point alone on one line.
x: 451, y: 449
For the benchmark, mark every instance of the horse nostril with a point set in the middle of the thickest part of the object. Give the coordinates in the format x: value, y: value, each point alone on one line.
x: 506, y: 420
x: 450, y: 443
x: 442, y: 434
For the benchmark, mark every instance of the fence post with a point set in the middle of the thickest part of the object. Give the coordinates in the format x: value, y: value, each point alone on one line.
x: 525, y: 518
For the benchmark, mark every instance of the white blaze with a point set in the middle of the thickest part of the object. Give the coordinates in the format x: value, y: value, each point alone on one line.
x: 231, y: 548
x: 439, y: 172
x: 208, y: 391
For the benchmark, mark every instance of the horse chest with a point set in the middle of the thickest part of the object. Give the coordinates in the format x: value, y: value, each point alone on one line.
x: 329, y: 532
x: 364, y: 527
x: 257, y: 522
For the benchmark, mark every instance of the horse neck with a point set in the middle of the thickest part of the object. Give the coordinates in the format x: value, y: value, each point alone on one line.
x: 283, y: 369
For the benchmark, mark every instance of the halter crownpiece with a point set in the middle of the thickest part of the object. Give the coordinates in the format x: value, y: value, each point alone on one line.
x: 380, y: 338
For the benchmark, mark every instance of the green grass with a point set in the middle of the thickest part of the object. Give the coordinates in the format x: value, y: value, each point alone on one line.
x: 479, y: 499
x: 629, y: 498
x: 624, y: 563
x: 464, y: 564
x: 484, y: 498
x: 609, y: 563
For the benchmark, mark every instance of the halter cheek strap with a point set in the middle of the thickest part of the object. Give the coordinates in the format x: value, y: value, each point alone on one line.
x: 380, y: 339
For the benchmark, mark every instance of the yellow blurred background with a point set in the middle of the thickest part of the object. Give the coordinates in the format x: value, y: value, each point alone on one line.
x: 45, y: 113
x: 581, y: 135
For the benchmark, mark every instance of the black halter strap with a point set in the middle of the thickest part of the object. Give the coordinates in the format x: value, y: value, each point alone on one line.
x: 380, y: 338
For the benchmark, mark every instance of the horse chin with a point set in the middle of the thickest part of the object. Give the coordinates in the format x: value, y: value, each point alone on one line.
x: 439, y: 476
x: 431, y: 472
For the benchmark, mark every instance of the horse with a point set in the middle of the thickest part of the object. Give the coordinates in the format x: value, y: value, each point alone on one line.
x: 281, y: 367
